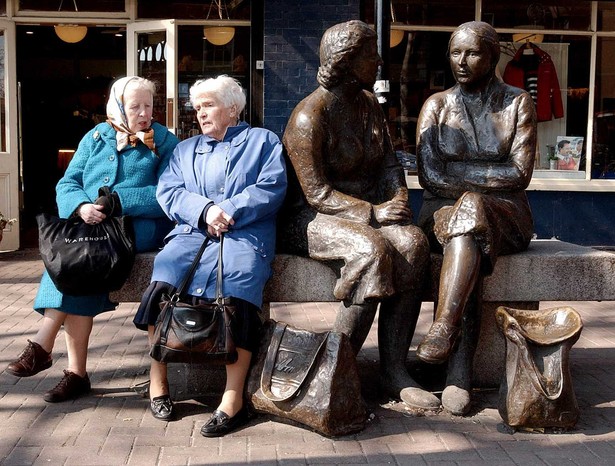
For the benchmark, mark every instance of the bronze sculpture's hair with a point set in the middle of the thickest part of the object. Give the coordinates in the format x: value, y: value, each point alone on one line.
x: 338, y: 47
x: 487, y: 35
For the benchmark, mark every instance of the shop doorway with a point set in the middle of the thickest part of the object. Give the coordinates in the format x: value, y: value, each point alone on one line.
x: 63, y: 90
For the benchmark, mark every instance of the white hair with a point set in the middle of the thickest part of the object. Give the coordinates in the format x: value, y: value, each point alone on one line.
x: 225, y: 89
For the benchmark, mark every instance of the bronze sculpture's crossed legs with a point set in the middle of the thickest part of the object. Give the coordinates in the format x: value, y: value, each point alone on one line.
x: 460, y: 272
x: 454, y: 334
x: 456, y: 397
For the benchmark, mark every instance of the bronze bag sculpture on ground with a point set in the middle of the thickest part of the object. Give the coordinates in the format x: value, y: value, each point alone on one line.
x: 195, y: 333
x: 309, y: 378
x: 536, y: 390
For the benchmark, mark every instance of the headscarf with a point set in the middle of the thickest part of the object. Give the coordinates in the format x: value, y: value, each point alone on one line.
x: 116, y: 117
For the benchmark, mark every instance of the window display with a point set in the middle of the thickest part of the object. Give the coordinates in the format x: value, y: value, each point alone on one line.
x: 546, y: 49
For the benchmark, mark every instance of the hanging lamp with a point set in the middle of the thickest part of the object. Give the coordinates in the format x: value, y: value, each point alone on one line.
x: 396, y: 35
x: 218, y: 35
x: 70, y: 33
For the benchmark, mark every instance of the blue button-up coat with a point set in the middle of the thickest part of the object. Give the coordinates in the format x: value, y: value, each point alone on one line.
x: 244, y: 175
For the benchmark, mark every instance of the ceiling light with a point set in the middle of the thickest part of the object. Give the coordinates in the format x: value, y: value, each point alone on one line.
x: 71, y: 33
x: 397, y: 35
x: 218, y: 35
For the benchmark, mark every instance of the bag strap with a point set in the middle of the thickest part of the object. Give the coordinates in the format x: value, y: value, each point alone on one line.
x: 195, y: 263
x: 270, y: 359
x: 219, y: 298
x: 188, y: 277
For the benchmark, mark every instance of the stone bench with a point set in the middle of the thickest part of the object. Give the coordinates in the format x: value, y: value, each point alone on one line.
x: 549, y: 270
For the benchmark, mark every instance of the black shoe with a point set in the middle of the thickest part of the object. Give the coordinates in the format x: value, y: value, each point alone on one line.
x: 70, y: 387
x: 162, y: 407
x: 32, y: 360
x: 220, y: 424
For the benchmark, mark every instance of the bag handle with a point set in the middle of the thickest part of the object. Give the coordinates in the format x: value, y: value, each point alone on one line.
x: 270, y: 359
x: 195, y: 263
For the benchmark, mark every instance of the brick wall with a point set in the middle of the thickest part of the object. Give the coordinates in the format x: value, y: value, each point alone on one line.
x: 292, y: 37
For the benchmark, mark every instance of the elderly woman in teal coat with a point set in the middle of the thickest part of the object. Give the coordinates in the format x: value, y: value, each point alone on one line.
x: 231, y: 180
x: 127, y: 153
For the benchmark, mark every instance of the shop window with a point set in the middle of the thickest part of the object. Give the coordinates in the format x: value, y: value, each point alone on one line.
x: 603, y: 160
x: 432, y: 13
x: 191, y: 9
x: 73, y: 5
x: 566, y: 14
x: 557, y: 123
x: 200, y: 59
x: 606, y: 16
x: 2, y: 98
x: 418, y: 68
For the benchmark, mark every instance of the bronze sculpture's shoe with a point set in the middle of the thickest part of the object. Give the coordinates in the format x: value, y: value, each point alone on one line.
x: 418, y: 398
x: 32, y: 360
x: 456, y: 400
x: 438, y: 343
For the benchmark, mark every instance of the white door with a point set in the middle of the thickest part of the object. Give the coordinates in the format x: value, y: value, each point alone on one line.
x: 9, y: 144
x: 151, y: 53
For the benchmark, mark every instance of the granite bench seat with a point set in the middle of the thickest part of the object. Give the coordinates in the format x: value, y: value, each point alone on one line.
x: 550, y: 270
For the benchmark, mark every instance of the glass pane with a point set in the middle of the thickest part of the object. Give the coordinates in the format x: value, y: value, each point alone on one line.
x: 419, y: 68
x: 568, y: 14
x: 152, y: 64
x: 526, y: 65
x: 433, y: 13
x: 606, y: 16
x: 603, y: 156
x: 192, y: 9
x: 199, y: 58
x: 2, y: 95
x: 72, y: 5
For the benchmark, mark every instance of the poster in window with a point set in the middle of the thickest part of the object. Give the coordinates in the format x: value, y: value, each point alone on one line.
x: 568, y: 151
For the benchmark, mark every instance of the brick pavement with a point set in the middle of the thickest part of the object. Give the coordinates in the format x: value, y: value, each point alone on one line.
x: 114, y: 427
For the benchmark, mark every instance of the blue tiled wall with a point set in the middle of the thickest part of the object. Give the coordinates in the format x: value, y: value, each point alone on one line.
x: 292, y: 38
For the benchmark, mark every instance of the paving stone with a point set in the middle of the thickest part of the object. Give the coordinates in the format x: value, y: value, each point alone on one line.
x: 113, y: 424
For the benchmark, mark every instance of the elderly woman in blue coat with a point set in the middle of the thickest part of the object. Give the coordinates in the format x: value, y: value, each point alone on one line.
x: 127, y: 153
x: 231, y: 180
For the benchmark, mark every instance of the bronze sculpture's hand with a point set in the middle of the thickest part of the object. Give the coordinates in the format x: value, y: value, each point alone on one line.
x: 393, y: 212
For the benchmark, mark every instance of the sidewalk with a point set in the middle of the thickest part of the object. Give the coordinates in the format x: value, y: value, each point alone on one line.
x: 113, y: 426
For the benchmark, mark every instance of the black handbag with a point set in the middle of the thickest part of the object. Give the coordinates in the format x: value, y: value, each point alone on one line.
x: 307, y: 377
x: 195, y: 333
x: 84, y: 259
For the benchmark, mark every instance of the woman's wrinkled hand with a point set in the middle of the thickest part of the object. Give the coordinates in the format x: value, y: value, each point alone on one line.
x: 392, y: 212
x: 218, y: 221
x: 91, y: 213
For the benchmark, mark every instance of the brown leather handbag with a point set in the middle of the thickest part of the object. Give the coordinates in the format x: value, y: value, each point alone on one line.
x: 308, y: 378
x: 195, y: 333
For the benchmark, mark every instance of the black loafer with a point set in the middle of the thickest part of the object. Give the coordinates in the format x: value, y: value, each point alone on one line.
x: 220, y: 423
x: 162, y: 407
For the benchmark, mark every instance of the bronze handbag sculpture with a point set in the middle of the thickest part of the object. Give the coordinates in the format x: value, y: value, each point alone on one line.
x: 536, y: 390
x: 307, y: 377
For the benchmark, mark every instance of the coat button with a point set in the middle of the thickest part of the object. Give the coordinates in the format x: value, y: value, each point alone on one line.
x: 112, y: 157
x: 106, y: 179
x: 199, y: 290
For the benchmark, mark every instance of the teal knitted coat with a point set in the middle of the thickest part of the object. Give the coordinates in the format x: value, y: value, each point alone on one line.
x: 133, y: 174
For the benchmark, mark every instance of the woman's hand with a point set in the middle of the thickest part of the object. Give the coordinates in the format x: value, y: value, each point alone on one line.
x: 91, y: 213
x: 391, y: 212
x: 217, y: 220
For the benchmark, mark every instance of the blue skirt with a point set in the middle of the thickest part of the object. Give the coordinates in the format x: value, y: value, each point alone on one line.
x: 48, y: 297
